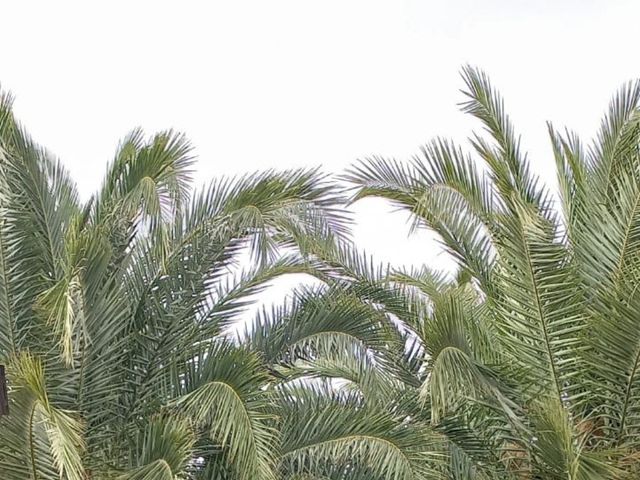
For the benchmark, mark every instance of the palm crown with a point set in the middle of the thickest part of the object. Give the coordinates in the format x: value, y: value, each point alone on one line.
x: 113, y: 312
x: 528, y: 359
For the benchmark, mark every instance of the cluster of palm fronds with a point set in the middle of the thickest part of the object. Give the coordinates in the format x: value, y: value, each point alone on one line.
x: 116, y: 315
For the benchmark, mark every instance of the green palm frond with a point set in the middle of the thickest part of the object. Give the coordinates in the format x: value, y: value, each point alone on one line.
x: 563, y: 450
x: 40, y: 438
x: 147, y: 176
x: 329, y: 332
x: 341, y: 428
x: 165, y: 450
x: 509, y: 167
x: 617, y: 140
x: 444, y: 193
x: 36, y: 203
x: 223, y: 394
x: 573, y: 174
x: 275, y: 207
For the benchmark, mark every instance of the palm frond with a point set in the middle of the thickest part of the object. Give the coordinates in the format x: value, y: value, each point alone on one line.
x: 40, y: 438
x: 337, y: 430
x: 223, y: 393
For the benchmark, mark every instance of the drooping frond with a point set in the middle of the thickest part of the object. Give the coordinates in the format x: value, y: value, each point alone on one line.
x: 444, y: 192
x: 338, y: 429
x: 274, y: 207
x: 147, y: 176
x: 223, y: 394
x: 459, y: 354
x: 39, y: 438
x: 330, y: 333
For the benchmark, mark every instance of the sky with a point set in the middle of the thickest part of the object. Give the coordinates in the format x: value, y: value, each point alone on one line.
x: 279, y: 84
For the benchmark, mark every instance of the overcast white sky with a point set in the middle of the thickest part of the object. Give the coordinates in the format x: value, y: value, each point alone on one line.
x: 258, y: 84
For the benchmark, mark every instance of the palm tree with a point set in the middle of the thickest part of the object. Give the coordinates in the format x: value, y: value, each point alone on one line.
x: 521, y: 365
x: 526, y: 360
x: 115, y: 312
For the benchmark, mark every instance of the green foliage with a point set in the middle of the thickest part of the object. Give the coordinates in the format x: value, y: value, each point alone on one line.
x: 117, y: 315
x: 529, y: 359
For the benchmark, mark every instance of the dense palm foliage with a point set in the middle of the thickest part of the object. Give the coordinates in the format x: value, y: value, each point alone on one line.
x: 522, y: 364
x: 526, y: 360
x: 115, y: 313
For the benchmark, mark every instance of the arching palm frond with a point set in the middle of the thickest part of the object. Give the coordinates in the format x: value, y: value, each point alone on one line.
x: 338, y: 431
x: 223, y: 394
